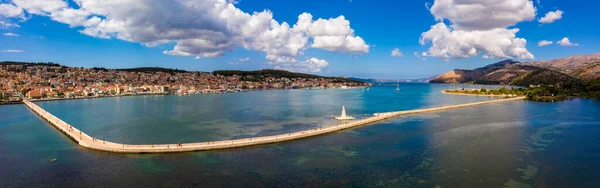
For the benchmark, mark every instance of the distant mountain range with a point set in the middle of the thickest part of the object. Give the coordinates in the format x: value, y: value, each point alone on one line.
x: 509, y: 72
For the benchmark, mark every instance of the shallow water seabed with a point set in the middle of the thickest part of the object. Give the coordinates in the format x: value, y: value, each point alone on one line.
x: 479, y: 146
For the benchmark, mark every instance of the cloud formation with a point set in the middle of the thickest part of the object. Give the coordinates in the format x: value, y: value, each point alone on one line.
x: 421, y: 56
x: 545, y: 43
x: 312, y: 65
x: 565, y: 42
x: 239, y: 61
x: 478, y: 28
x: 12, y: 51
x: 9, y: 11
x: 447, y: 43
x: 551, y: 17
x: 40, y: 7
x: 483, y: 15
x: 10, y: 35
x: 199, y: 28
x: 397, y: 53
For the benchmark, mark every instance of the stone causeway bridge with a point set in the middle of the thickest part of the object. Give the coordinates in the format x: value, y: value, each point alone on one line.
x: 86, y: 141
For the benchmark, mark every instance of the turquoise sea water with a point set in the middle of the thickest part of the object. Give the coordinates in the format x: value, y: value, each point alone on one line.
x: 511, y: 144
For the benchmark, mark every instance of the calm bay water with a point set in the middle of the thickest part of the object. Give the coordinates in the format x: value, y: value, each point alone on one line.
x: 511, y: 144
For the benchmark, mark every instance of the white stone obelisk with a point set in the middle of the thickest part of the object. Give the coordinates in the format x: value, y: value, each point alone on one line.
x: 344, y: 116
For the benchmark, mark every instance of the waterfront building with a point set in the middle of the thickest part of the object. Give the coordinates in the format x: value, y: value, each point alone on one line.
x: 34, y: 94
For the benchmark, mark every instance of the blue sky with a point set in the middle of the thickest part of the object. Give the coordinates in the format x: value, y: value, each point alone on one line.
x: 384, y: 26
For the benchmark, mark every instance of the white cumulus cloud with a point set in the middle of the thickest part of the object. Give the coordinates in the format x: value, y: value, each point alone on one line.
x: 566, y: 42
x: 545, y: 43
x: 40, y: 7
x: 201, y: 28
x: 9, y: 11
x: 7, y: 25
x: 312, y: 65
x: 10, y: 35
x: 239, y: 61
x: 447, y: 43
x: 348, y: 44
x: 12, y: 51
x: 551, y: 16
x: 72, y: 17
x: 397, y: 53
x: 483, y: 15
x: 478, y: 28
x: 421, y: 56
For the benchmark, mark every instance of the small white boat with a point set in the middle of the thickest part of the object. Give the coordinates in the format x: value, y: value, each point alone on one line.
x: 398, y: 86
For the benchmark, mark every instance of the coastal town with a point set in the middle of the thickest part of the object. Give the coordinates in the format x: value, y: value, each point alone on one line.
x: 49, y: 81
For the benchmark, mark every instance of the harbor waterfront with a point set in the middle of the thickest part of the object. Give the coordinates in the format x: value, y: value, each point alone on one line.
x: 87, y: 141
x: 511, y: 144
x: 299, y: 94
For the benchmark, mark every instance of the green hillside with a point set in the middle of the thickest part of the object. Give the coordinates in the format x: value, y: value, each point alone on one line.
x: 259, y: 75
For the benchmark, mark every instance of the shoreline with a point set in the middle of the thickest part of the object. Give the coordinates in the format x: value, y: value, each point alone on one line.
x: 478, y: 95
x: 157, y: 94
x: 93, y: 143
x: 94, y: 97
x: 78, y: 98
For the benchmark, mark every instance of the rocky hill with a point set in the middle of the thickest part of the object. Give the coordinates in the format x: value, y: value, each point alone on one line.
x: 588, y: 72
x: 469, y: 76
x: 505, y: 75
x: 568, y: 65
x: 542, y: 76
x: 584, y: 67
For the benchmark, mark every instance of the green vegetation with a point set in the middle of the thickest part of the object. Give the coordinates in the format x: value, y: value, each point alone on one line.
x: 590, y: 71
x: 63, y: 68
x: 486, y: 82
x: 24, y: 65
x: 99, y: 69
x: 591, y: 89
x: 260, y: 75
x: 437, y: 81
x: 501, y: 91
x: 551, y: 85
x: 30, y: 63
x: 586, y: 89
x: 542, y: 93
x: 547, y: 93
x: 373, y: 81
x: 265, y: 73
x: 545, y: 85
x: 542, y: 76
x: 151, y: 70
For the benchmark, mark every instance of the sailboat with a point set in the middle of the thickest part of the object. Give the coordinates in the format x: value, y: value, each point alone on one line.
x: 363, y: 90
x: 398, y: 86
